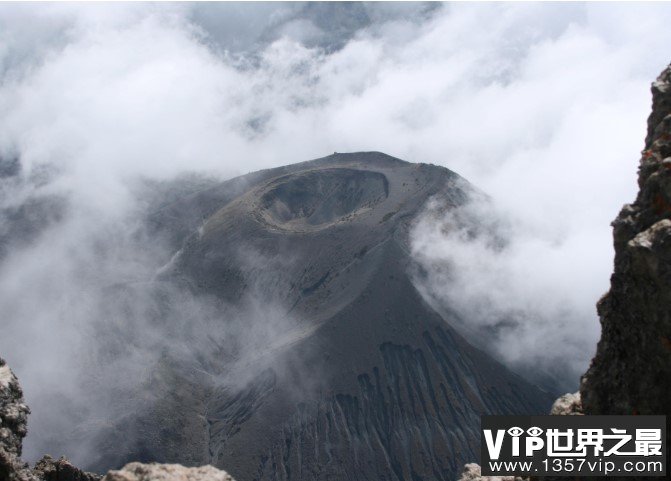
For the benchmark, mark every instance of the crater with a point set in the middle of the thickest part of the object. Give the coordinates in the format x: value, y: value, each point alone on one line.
x: 317, y: 198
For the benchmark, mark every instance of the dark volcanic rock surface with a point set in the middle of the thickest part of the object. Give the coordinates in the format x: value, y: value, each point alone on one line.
x: 13, y: 425
x: 357, y: 378
x: 631, y: 372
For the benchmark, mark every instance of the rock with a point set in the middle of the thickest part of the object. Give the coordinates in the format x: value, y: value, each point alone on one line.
x: 166, y: 472
x: 631, y: 371
x: 49, y: 469
x: 567, y: 405
x: 13, y: 412
x: 472, y: 473
x: 13, y: 426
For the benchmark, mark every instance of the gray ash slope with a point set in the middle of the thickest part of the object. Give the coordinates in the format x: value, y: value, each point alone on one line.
x: 360, y: 379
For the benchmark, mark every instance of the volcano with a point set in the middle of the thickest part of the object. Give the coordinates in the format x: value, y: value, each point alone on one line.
x: 353, y: 376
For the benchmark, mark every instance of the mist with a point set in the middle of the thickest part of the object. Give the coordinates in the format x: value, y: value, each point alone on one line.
x: 541, y: 106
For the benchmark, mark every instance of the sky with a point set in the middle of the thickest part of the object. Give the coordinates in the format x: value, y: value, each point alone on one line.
x: 541, y: 106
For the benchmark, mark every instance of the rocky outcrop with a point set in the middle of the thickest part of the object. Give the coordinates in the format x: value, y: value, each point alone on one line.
x: 50, y: 469
x: 13, y: 426
x: 472, y: 473
x: 567, y: 405
x: 166, y: 472
x: 631, y: 371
